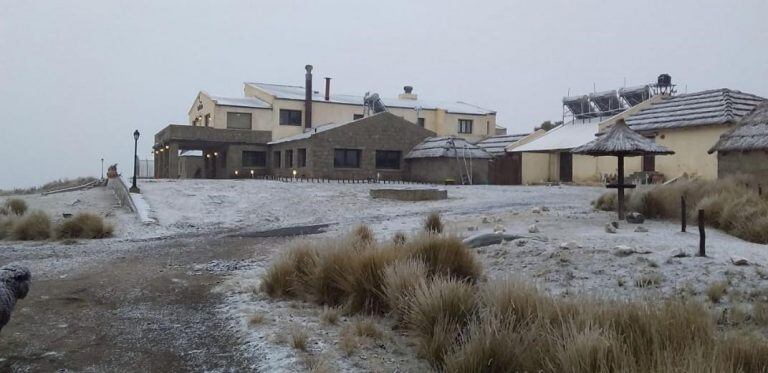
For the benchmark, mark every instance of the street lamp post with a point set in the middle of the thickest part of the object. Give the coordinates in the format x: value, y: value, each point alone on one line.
x: 102, y: 169
x: 134, y: 188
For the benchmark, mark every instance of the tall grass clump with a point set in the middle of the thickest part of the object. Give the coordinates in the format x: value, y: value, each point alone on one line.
x: 16, y: 206
x: 84, y: 225
x: 433, y: 223
x: 6, y: 225
x: 729, y: 204
x: 31, y: 227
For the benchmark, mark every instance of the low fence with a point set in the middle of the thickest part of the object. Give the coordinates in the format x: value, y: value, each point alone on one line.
x: 118, y: 187
x: 74, y: 188
x: 339, y: 181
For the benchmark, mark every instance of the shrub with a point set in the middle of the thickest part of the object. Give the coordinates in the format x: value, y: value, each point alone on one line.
x: 437, y: 312
x: 447, y: 256
x: 606, y: 201
x: 716, y: 291
x: 729, y: 204
x: 16, y: 206
x: 400, y: 280
x: 290, y: 273
x: 6, y: 226
x: 33, y: 226
x: 433, y: 224
x: 84, y: 225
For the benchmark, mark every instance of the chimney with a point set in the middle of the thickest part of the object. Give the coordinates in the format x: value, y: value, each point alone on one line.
x: 308, y: 97
x: 408, y: 94
x: 327, y: 89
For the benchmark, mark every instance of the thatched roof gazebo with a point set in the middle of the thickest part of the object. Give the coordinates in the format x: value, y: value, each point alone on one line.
x: 750, y: 135
x: 621, y: 141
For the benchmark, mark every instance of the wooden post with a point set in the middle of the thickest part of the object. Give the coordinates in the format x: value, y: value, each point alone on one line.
x: 759, y: 190
x: 621, y: 188
x: 702, y: 235
x: 683, y: 213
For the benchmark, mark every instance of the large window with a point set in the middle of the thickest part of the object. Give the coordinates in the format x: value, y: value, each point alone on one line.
x: 239, y: 121
x: 301, y: 158
x: 254, y: 159
x: 289, y: 158
x: 290, y: 117
x: 465, y: 126
x: 346, y: 158
x: 276, y: 159
x: 388, y: 159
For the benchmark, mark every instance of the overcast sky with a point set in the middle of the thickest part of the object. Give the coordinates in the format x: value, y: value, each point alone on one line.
x: 77, y: 77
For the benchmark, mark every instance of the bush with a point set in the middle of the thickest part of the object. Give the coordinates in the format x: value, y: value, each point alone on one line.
x: 433, y: 224
x: 447, y: 256
x: 400, y: 280
x: 16, y: 206
x: 31, y: 227
x: 729, y: 204
x: 84, y: 225
x: 6, y: 226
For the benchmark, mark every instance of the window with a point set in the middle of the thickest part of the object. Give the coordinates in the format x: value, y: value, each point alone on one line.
x: 465, y: 126
x: 239, y: 121
x: 421, y: 122
x: 290, y: 117
x: 289, y: 158
x: 388, y: 159
x: 301, y: 158
x: 254, y: 159
x: 357, y: 116
x: 276, y: 159
x: 207, y: 119
x: 196, y: 121
x: 346, y: 158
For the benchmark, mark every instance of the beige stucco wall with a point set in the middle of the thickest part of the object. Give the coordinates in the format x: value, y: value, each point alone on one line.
x: 545, y: 167
x: 535, y: 168
x: 690, y: 146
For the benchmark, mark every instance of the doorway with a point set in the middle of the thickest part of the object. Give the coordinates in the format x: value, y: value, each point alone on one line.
x: 566, y: 167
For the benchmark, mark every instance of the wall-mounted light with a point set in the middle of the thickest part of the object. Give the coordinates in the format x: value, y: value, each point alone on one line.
x: 207, y: 156
x: 237, y: 172
x: 251, y: 172
x: 215, y: 154
x: 294, y: 174
x: 167, y: 146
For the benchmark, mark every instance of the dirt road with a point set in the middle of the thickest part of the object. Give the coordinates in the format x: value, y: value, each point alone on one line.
x: 148, y: 308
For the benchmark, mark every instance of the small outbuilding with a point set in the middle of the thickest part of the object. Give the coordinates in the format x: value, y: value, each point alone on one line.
x: 744, y: 148
x: 448, y: 160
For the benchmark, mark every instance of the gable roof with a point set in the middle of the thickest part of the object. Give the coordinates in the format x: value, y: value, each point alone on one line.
x: 694, y: 109
x: 621, y: 140
x: 250, y: 102
x: 289, y: 92
x: 448, y: 146
x: 750, y: 134
x: 495, y: 145
x: 563, y: 137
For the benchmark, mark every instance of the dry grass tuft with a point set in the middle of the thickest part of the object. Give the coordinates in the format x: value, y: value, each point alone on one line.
x: 400, y: 280
x: 32, y: 227
x: 6, y: 226
x: 729, y: 204
x: 4, y: 211
x: 606, y: 202
x: 330, y: 315
x: 299, y: 338
x: 433, y: 224
x: 366, y: 327
x: 648, y: 280
x: 446, y: 256
x: 437, y: 312
x: 16, y: 206
x: 318, y: 364
x: 363, y: 234
x: 717, y: 290
x: 399, y: 239
x: 348, y: 342
x: 290, y: 272
x: 84, y: 225
x: 257, y: 319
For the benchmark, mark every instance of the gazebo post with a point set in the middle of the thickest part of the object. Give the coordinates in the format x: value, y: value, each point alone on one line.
x: 621, y: 188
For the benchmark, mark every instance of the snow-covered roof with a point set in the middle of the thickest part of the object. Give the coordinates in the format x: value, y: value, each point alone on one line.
x: 695, y: 109
x: 251, y: 102
x: 495, y: 145
x: 307, y: 134
x: 751, y: 133
x: 563, y: 137
x: 289, y: 92
x: 448, y: 146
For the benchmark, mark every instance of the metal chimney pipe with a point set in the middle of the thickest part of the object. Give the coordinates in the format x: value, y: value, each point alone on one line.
x: 327, y: 89
x: 308, y: 97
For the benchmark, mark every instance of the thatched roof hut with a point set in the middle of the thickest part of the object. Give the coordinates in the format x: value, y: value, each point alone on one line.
x: 751, y: 134
x: 620, y: 140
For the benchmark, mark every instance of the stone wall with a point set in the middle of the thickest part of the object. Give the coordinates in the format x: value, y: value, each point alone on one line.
x: 437, y: 170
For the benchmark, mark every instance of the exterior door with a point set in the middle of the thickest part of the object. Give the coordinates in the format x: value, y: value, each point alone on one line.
x: 506, y: 169
x: 649, y: 163
x: 566, y: 167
